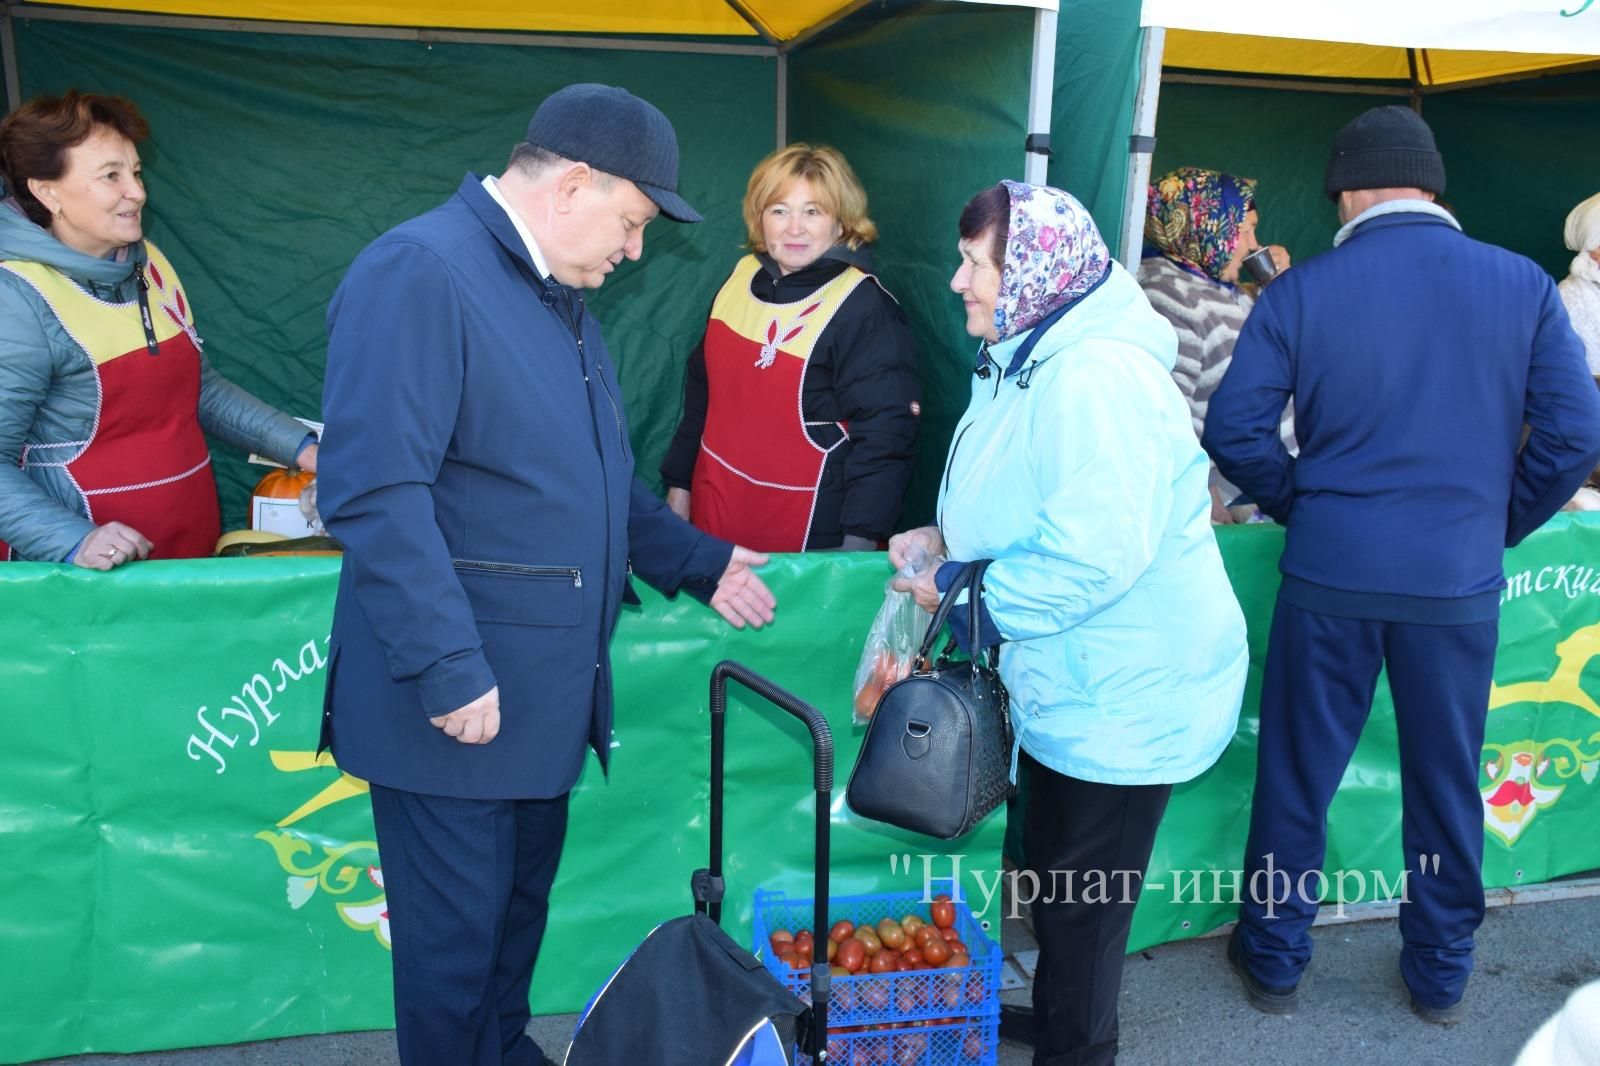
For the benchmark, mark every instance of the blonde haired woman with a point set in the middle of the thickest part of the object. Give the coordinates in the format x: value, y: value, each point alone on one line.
x: 801, y: 400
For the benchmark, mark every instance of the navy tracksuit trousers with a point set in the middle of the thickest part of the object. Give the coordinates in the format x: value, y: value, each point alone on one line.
x: 1316, y: 695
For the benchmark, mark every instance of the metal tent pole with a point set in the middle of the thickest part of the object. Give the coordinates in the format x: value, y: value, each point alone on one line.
x: 8, y: 51
x: 1305, y: 85
x: 782, y: 107
x: 1142, y: 145
x: 1041, y: 92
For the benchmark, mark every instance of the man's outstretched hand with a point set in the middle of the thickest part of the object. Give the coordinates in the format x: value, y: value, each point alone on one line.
x: 742, y: 598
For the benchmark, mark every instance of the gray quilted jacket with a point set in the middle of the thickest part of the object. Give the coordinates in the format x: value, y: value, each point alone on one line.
x: 48, y: 393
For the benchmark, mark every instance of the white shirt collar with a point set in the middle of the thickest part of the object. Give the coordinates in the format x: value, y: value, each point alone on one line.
x: 493, y: 188
x: 1394, y: 207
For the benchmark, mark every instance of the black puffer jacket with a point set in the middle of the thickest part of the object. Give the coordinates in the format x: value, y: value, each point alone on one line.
x: 863, y: 372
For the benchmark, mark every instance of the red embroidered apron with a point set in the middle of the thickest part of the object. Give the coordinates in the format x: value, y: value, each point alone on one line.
x: 756, y: 479
x: 145, y: 463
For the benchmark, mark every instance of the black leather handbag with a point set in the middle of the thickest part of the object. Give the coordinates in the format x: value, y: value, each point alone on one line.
x: 937, y: 755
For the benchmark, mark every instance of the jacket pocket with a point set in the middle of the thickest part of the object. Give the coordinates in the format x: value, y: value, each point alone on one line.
x: 519, y: 595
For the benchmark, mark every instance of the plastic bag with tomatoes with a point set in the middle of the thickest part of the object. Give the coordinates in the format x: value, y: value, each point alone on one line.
x: 892, y: 642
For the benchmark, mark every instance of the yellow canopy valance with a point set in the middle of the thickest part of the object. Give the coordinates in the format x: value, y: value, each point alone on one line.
x: 1241, y: 54
x: 778, y: 20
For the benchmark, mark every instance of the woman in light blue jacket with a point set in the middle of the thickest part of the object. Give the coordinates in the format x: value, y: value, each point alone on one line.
x: 1077, y: 471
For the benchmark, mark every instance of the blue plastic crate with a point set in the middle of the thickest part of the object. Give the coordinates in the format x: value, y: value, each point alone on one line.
x: 914, y: 1018
x: 975, y: 1042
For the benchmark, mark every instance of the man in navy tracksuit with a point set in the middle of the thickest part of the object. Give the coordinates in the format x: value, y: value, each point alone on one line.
x: 1414, y: 356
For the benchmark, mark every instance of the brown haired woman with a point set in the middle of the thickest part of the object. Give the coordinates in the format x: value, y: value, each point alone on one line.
x: 801, y: 400
x: 104, y: 392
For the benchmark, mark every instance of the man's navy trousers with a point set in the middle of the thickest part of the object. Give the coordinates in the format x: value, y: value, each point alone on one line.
x: 1321, y: 672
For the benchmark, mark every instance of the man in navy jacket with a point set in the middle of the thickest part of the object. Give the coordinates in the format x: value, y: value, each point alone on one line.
x: 476, y: 466
x: 1414, y: 356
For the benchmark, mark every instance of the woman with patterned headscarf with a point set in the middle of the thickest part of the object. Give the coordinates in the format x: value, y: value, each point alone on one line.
x: 1580, y: 289
x: 1199, y: 227
x: 1076, y: 471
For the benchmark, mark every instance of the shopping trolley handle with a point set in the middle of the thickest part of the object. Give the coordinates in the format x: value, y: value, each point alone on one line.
x: 821, y: 735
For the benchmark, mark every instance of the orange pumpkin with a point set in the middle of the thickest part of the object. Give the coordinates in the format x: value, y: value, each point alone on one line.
x: 278, y: 485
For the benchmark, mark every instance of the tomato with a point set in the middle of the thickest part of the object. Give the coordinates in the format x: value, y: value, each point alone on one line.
x: 891, y: 934
x: 936, y: 953
x: 840, y: 930
x: 958, y: 960
x: 977, y: 989
x: 780, y: 941
x: 949, y: 934
x: 874, y: 995
x: 803, y: 941
x: 869, y: 940
x: 885, y: 672
x: 909, y: 1048
x: 867, y: 697
x: 944, y: 912
x: 957, y: 947
x: 842, y: 997
x: 833, y: 949
x: 852, y: 954
x: 972, y: 1045
x: 926, y: 934
x: 911, y: 923
x: 884, y: 962
x: 913, y: 955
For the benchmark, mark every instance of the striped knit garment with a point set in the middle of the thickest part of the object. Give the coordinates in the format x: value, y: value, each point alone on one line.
x: 1207, y: 317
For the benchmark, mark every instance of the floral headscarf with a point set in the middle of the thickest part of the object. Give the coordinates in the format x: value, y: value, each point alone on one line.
x: 1054, y: 255
x: 1194, y: 217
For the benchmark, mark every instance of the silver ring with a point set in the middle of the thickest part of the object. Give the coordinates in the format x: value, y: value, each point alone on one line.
x: 112, y: 553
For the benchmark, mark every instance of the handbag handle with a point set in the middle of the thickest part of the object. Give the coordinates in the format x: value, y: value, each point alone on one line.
x: 968, y: 579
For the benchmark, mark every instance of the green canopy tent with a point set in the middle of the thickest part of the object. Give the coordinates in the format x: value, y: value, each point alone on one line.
x: 1512, y: 91
x: 280, y: 146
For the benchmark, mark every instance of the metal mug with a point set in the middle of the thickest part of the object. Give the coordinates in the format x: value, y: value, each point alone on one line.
x: 1260, y: 266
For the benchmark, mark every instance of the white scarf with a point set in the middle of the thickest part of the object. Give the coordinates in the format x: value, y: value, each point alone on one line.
x: 1583, y: 236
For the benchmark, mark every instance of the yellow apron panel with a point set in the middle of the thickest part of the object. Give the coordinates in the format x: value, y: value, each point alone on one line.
x: 103, y: 330
x: 783, y: 329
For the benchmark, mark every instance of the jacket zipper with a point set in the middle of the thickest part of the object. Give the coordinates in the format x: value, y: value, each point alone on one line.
x: 573, y: 572
x: 150, y: 343
x: 575, y: 322
x: 616, y: 412
x: 950, y: 464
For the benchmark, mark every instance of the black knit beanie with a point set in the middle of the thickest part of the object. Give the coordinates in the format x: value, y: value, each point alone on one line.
x: 1385, y: 148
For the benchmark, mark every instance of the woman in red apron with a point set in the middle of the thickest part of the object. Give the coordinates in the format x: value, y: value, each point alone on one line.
x: 801, y: 401
x: 105, y: 394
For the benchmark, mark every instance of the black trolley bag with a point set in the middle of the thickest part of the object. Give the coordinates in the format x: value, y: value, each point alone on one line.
x: 689, y: 995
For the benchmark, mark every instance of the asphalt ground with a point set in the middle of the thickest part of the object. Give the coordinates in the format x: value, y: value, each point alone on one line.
x: 1181, y: 1005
